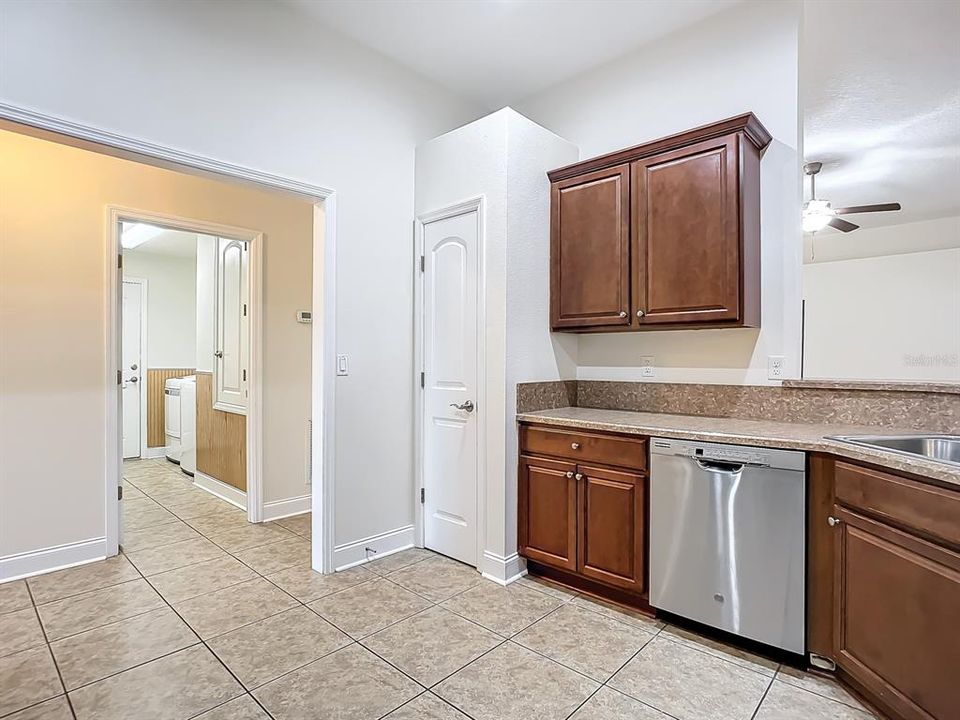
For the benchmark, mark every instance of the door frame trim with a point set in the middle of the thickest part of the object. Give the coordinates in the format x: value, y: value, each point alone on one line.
x: 323, y: 371
x: 474, y: 204
x: 144, y: 298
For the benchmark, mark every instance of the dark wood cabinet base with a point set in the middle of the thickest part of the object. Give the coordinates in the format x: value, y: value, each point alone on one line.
x: 578, y: 582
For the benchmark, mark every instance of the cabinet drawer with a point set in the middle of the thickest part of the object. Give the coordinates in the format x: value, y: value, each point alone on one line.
x: 928, y: 509
x: 627, y: 452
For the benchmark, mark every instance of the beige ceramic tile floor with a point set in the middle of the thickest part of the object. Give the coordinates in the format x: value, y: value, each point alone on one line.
x: 206, y: 616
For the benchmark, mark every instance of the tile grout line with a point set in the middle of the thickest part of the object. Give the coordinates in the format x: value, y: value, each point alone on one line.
x: 53, y: 657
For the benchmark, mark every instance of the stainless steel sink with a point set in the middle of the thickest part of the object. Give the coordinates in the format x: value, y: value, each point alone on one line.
x: 942, y: 448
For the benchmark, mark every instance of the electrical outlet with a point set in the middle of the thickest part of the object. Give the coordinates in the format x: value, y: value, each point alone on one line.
x: 646, y: 366
x: 775, y: 367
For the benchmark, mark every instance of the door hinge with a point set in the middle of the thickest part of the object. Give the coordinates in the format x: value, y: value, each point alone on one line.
x: 244, y: 309
x: 423, y: 380
x: 120, y: 261
x: 119, y: 377
x: 423, y: 494
x: 244, y: 375
x: 119, y: 492
x: 423, y: 263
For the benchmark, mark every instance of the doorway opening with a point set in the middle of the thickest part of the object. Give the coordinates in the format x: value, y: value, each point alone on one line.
x: 185, y: 355
x: 189, y: 331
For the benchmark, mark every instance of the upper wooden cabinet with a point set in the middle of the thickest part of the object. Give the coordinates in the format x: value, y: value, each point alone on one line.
x: 590, y: 246
x: 662, y: 235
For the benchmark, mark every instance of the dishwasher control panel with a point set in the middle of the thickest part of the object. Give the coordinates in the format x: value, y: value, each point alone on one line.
x: 734, y: 454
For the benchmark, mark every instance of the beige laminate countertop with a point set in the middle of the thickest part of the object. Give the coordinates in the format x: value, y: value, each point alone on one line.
x: 762, y: 433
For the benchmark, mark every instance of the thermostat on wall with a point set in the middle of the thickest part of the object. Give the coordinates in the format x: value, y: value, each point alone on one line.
x: 304, y: 316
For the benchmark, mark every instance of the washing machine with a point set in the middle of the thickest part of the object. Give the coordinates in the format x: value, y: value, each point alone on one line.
x: 171, y: 415
x: 188, y: 425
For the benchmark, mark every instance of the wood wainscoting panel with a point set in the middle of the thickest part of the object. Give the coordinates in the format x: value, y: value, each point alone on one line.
x: 221, y: 438
x: 156, y: 421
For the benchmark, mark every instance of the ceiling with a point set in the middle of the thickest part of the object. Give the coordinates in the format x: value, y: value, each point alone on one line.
x: 498, y: 52
x: 169, y: 243
x: 881, y: 105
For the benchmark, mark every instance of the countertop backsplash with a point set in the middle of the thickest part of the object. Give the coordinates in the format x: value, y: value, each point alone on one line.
x: 921, y: 409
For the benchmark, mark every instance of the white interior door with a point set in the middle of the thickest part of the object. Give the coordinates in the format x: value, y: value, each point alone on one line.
x: 450, y: 419
x: 231, y: 356
x: 131, y: 364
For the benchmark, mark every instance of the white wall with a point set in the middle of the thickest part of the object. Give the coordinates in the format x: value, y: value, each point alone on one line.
x: 171, y: 306
x: 743, y: 59
x: 884, y: 303
x: 504, y: 157
x: 206, y: 322
x: 259, y: 85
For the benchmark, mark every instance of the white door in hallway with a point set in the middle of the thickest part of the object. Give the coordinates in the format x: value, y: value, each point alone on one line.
x: 131, y: 367
x: 451, y: 412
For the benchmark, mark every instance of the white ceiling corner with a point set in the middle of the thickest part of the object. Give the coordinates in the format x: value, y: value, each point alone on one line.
x: 498, y: 52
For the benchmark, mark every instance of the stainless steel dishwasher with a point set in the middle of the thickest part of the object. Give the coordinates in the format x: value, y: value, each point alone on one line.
x: 727, y: 538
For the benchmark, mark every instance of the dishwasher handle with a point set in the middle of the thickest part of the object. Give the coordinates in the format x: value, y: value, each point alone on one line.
x: 720, y: 466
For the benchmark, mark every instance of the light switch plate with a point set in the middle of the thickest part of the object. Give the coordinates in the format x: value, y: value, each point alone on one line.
x: 343, y: 366
x: 775, y: 367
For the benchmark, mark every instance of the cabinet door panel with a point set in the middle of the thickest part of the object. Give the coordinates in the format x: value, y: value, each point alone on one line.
x: 612, y: 533
x: 687, y: 230
x: 897, y: 604
x: 547, y: 510
x: 590, y: 253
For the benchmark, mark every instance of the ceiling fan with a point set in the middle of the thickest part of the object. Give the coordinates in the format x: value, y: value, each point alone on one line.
x: 817, y: 214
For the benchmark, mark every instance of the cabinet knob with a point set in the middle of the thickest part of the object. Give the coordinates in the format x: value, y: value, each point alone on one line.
x: 569, y: 473
x: 640, y: 313
x: 575, y: 446
x: 623, y: 313
x: 832, y: 521
x: 579, y: 476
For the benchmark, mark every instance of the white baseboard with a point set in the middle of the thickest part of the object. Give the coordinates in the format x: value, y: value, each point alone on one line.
x: 220, y: 489
x: 354, y: 553
x: 285, y: 508
x: 35, y: 562
x: 502, y: 570
x: 154, y: 452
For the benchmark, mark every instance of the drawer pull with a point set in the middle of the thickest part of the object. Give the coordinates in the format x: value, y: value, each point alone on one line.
x: 569, y: 473
x: 579, y: 476
x: 575, y: 446
x: 832, y: 521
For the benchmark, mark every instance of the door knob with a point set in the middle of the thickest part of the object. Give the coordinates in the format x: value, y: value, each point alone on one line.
x: 133, y: 367
x: 466, y: 407
x: 640, y: 313
x: 832, y: 521
x: 134, y: 379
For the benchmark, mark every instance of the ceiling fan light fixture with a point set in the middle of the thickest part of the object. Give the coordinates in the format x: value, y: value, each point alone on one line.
x: 816, y: 215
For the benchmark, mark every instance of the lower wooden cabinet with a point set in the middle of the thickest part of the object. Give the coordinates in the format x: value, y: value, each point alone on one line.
x: 585, y: 518
x: 883, y: 596
x: 897, y: 612
x: 547, y: 511
x: 611, y: 519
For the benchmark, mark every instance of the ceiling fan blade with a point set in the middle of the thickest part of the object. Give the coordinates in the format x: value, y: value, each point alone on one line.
x: 882, y: 207
x: 842, y: 225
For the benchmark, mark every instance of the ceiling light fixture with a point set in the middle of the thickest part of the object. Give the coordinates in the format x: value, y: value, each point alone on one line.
x: 817, y: 214
x: 135, y: 234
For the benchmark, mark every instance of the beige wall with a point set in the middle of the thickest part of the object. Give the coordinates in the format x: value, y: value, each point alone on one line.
x: 53, y: 202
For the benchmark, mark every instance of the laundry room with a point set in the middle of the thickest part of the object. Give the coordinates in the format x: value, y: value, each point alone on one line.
x: 184, y: 312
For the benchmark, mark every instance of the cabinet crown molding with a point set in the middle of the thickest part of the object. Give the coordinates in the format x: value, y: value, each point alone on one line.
x: 748, y: 124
